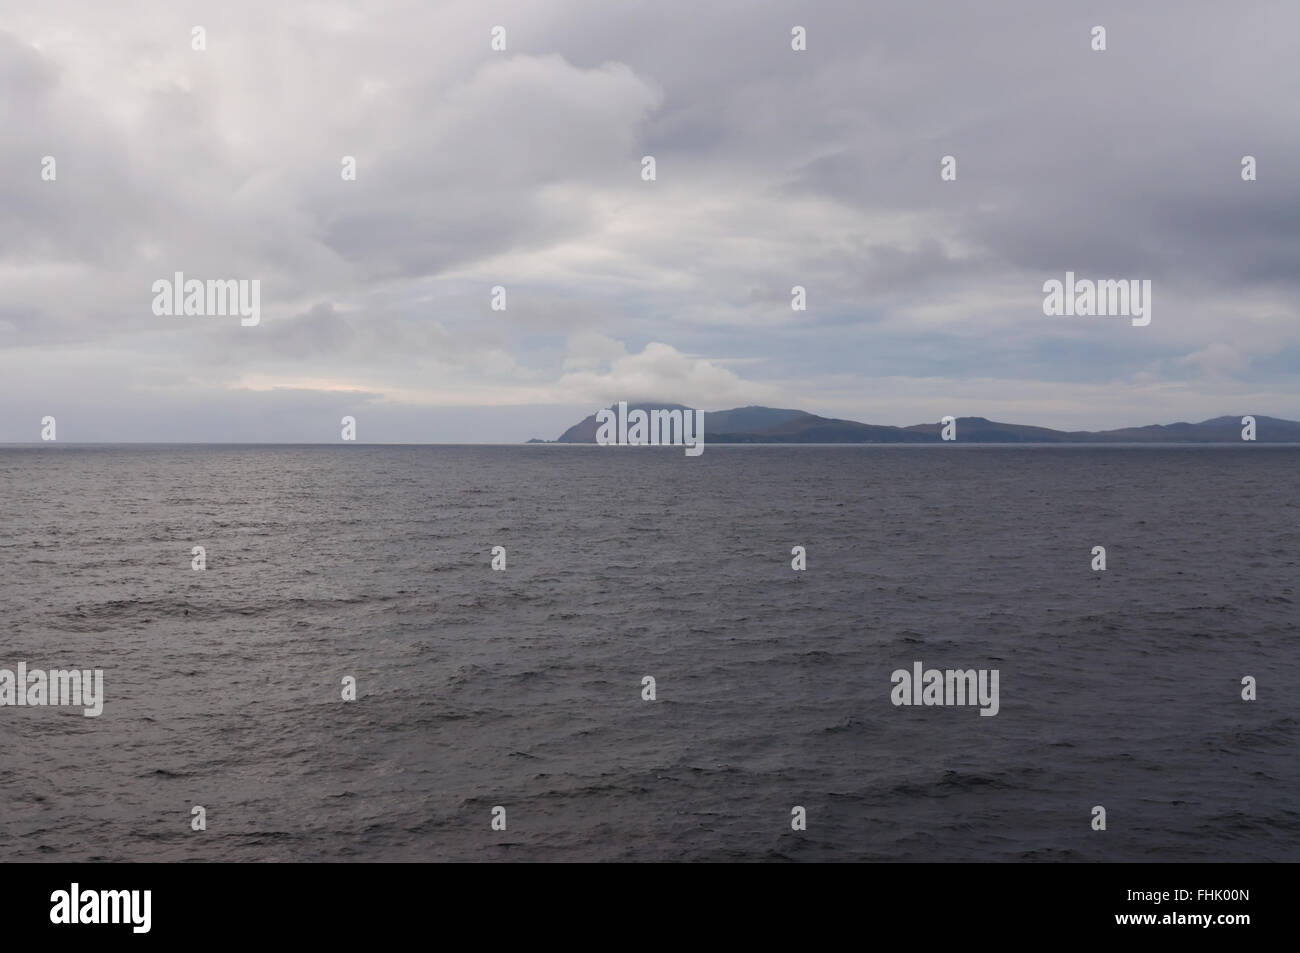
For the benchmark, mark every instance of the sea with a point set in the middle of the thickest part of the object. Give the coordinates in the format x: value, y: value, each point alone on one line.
x: 504, y: 714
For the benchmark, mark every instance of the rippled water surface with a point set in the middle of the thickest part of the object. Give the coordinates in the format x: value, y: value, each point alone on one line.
x: 522, y: 688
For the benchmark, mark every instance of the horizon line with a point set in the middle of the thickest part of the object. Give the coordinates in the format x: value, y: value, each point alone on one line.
x: 574, y: 443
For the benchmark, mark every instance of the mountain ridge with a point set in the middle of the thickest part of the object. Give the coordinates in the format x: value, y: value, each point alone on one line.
x: 754, y: 424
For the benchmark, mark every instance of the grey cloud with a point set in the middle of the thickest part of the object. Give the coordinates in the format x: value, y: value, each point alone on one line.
x: 775, y: 168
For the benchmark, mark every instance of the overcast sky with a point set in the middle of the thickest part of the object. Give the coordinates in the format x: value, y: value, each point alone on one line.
x: 522, y: 169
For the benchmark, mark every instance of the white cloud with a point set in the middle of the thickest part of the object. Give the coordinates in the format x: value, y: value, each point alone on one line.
x: 603, y: 371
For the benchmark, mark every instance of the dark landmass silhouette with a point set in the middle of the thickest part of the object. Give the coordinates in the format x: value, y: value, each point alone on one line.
x: 772, y: 425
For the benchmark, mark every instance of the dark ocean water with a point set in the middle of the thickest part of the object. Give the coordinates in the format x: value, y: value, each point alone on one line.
x: 522, y: 688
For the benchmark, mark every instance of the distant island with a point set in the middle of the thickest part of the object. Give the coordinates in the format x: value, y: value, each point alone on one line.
x: 770, y: 425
